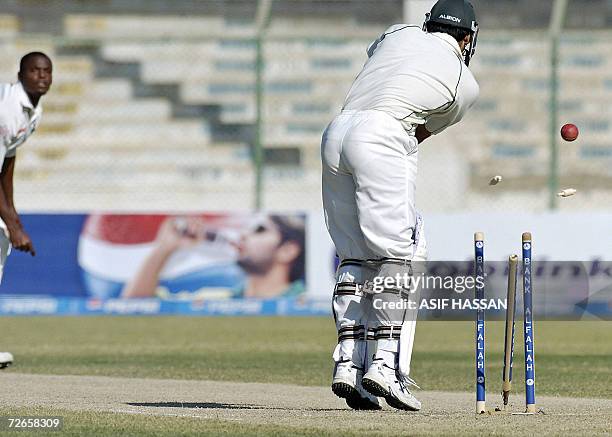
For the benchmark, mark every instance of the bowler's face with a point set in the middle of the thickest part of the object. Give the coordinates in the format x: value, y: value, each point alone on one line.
x: 37, y: 76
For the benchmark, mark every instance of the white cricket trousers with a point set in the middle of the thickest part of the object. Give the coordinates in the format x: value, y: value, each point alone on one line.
x: 5, y: 247
x: 369, y: 182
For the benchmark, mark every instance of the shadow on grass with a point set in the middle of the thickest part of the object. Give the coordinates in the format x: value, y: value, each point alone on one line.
x: 222, y: 406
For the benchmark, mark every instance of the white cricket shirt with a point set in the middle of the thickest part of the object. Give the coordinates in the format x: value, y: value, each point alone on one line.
x: 416, y: 77
x: 18, y: 118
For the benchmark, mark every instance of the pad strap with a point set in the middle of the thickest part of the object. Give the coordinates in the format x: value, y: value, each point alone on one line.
x: 373, y: 262
x: 391, y: 332
x: 351, y: 262
x: 351, y: 333
x: 348, y: 289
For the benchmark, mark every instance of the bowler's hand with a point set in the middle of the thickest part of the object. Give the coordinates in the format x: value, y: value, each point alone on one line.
x: 21, y: 241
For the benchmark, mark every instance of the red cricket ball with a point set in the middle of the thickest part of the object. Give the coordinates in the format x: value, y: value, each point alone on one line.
x: 569, y: 132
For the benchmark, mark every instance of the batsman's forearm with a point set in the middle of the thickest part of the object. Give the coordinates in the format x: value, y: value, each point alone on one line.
x: 146, y: 280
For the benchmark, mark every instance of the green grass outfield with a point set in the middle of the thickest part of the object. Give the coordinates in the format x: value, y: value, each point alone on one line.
x: 295, y: 350
x: 572, y: 358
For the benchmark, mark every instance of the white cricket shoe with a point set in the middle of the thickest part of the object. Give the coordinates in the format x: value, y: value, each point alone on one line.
x: 384, y: 381
x: 364, y: 400
x: 347, y: 385
x: 6, y: 359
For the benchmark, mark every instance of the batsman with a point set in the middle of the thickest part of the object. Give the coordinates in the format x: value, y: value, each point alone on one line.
x: 415, y: 83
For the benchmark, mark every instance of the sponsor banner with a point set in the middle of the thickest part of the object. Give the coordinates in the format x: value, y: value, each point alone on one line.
x: 455, y: 291
x: 54, y: 270
x: 172, y: 257
x: 237, y: 263
x: 450, y: 237
x: 17, y: 306
x: 556, y: 236
x: 33, y: 306
x: 432, y: 307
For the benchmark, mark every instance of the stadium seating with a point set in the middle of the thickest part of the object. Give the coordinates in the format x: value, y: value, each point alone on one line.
x: 160, y: 112
x: 9, y: 26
